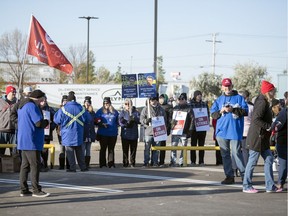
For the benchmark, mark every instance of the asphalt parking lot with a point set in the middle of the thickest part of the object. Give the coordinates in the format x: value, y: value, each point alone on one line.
x: 141, y: 191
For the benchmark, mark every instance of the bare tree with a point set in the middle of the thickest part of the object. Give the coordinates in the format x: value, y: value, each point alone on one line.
x: 12, y: 52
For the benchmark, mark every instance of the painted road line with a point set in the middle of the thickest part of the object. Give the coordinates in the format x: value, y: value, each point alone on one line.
x: 164, y: 178
x: 67, y: 186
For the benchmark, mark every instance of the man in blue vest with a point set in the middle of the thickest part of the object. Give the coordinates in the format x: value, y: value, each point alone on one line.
x: 71, y: 118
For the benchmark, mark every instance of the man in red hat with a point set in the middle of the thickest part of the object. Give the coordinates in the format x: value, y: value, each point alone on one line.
x: 229, y: 110
x: 7, y: 128
x: 259, y: 140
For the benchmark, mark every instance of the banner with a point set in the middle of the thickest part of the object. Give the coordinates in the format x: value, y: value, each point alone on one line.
x: 201, y: 119
x: 129, y: 86
x: 180, y: 118
x: 41, y: 46
x: 46, y: 115
x: 147, y: 85
x: 159, y: 129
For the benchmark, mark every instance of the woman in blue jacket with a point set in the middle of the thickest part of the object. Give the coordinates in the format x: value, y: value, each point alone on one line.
x: 107, y: 120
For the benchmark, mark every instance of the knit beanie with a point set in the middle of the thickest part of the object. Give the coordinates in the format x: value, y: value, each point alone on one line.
x: 183, y: 96
x: 71, y: 97
x: 88, y: 99
x: 107, y: 100
x: 37, y: 94
x: 64, y: 97
x: 10, y: 89
x: 266, y: 87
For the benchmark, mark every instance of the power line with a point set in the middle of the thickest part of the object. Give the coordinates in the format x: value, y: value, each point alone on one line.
x: 214, y: 41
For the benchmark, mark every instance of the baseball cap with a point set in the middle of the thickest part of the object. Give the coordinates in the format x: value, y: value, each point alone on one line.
x: 226, y: 82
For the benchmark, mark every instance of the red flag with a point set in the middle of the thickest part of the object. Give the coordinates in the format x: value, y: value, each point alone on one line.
x: 45, y: 50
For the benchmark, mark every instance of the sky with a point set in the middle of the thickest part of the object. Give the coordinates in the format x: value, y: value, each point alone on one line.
x: 250, y: 31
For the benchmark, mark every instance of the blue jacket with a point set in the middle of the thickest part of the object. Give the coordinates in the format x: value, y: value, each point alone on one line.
x: 72, y: 131
x: 89, y: 129
x: 129, y: 124
x: 110, y: 119
x: 230, y: 125
x: 29, y: 136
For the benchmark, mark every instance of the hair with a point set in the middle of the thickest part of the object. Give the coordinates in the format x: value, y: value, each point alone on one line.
x: 111, y: 109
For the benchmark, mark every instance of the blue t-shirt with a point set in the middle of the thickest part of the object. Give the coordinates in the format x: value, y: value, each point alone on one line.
x: 29, y: 136
x: 229, y: 126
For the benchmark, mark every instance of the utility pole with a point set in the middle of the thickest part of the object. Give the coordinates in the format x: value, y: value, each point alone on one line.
x: 214, y: 41
x: 88, y: 28
x: 155, y: 41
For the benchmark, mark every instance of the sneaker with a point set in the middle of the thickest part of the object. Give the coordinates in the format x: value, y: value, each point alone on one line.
x: 274, y: 190
x: 201, y: 164
x: 84, y: 170
x: 228, y: 180
x: 193, y: 164
x: 145, y: 165
x: 155, y: 165
x: 41, y: 194
x: 162, y: 165
x: 250, y: 190
x: 25, y: 193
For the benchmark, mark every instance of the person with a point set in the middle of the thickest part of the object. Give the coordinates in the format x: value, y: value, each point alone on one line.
x: 31, y: 126
x: 129, y: 118
x: 168, y: 108
x: 258, y: 140
x: 198, y: 137
x: 48, y: 113
x: 107, y: 121
x: 149, y: 80
x: 71, y: 118
x: 247, y: 122
x: 275, y: 108
x: 62, y: 147
x: 7, y: 127
x: 185, y: 124
x: 279, y: 126
x: 89, y: 131
x: 217, y: 153
x: 26, y: 92
x: 229, y: 110
x: 152, y: 109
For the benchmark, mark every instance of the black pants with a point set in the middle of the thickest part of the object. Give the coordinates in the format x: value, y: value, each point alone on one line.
x: 162, y: 153
x: 126, y: 144
x: 218, y: 155
x: 107, y: 141
x: 197, y: 137
x: 31, y: 162
x: 44, y: 155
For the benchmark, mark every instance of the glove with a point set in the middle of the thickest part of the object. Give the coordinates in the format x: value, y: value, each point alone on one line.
x: 123, y: 121
x: 131, y: 118
x: 173, y: 123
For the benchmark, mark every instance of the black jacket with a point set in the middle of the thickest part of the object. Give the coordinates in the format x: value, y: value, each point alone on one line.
x: 258, y: 138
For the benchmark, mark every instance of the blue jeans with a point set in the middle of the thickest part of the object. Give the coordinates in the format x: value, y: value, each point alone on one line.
x: 176, y: 139
x: 252, y: 162
x: 149, y: 140
x: 282, y: 157
x: 235, y: 145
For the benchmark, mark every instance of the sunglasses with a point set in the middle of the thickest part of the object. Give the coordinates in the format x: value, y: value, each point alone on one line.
x: 126, y: 103
x: 181, y: 99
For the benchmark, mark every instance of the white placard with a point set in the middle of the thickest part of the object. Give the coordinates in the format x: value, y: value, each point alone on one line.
x: 180, y: 118
x: 159, y: 129
x: 46, y: 115
x: 201, y: 119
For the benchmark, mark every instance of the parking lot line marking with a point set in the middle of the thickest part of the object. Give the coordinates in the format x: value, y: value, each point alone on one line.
x: 67, y: 186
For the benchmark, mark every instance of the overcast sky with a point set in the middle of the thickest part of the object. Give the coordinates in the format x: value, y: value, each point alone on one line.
x: 249, y: 31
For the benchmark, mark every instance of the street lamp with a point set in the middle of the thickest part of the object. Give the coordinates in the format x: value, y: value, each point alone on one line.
x: 87, y: 67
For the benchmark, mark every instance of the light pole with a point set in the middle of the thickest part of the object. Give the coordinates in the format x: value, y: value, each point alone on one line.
x: 155, y: 42
x: 87, y: 67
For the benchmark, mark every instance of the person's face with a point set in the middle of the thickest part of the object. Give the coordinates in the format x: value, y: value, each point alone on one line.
x: 153, y: 102
x: 199, y: 97
x: 181, y: 101
x: 106, y: 105
x: 64, y: 102
x: 271, y: 94
x: 126, y: 105
x: 161, y: 100
x: 227, y: 89
x: 11, y: 95
x: 87, y: 104
x: 40, y: 101
x: 43, y: 101
x: 149, y: 81
x: 276, y: 109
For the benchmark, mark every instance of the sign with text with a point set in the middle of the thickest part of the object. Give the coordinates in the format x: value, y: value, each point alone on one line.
x: 201, y: 119
x: 147, y: 85
x: 46, y: 115
x: 159, y: 129
x: 179, y: 117
x: 129, y: 86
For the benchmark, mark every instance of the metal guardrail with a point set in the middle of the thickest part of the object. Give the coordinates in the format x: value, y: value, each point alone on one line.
x: 51, y: 148
x: 188, y: 148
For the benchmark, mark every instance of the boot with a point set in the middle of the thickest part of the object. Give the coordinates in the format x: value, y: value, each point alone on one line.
x: 87, y: 161
x: 61, y: 162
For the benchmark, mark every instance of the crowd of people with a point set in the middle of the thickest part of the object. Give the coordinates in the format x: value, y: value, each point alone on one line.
x: 243, y: 130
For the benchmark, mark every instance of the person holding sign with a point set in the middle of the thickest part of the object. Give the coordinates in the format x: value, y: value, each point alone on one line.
x: 229, y: 110
x: 200, y: 125
x: 129, y: 118
x: 152, y: 111
x: 180, y: 125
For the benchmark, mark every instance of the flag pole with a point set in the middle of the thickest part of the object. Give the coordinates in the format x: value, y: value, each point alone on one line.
x: 24, y: 57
